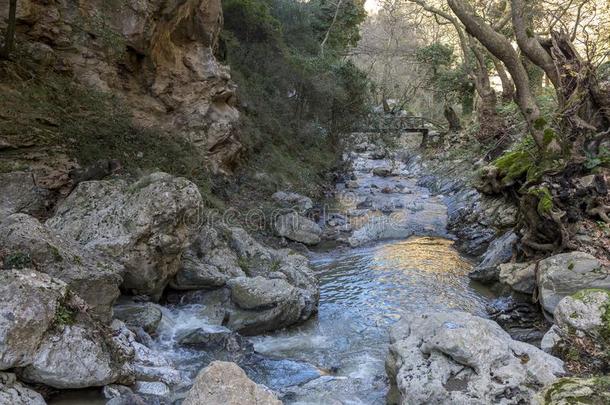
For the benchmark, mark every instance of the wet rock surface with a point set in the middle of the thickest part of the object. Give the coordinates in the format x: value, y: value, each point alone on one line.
x: 455, y: 357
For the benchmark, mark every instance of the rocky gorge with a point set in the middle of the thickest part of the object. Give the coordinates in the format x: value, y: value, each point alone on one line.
x: 135, y: 295
x: 409, y: 282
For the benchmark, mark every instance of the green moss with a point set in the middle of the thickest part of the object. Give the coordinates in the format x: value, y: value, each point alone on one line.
x: 513, y: 165
x: 549, y: 135
x: 545, y: 199
x: 64, y: 315
x: 17, y: 260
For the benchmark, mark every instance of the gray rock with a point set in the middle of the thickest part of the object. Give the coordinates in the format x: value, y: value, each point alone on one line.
x: 226, y: 383
x: 584, y: 313
x: 145, y: 225
x: 20, y: 194
x: 382, y: 171
x: 292, y: 200
x: 261, y: 293
x: 157, y: 389
x: 298, y: 228
x: 458, y: 358
x: 209, y: 261
x: 12, y: 392
x: 145, y: 315
x: 576, y: 391
x: 77, y: 357
x: 521, y: 277
x: 93, y: 277
x: 499, y: 251
x: 550, y: 339
x: 246, y: 306
x: 213, y: 338
x: 26, y: 316
x: 564, y: 274
x: 352, y: 184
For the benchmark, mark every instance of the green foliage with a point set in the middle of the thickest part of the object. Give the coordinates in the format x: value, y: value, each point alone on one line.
x: 64, y: 315
x: 448, y: 82
x: 89, y: 125
x: 345, y: 31
x: 17, y: 260
x: 545, y: 199
x: 297, y: 102
x: 602, y: 158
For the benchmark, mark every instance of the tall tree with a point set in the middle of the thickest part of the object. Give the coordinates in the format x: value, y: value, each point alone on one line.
x: 9, y: 37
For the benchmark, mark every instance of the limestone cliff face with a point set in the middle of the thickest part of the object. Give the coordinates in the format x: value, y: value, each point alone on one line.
x: 157, y: 54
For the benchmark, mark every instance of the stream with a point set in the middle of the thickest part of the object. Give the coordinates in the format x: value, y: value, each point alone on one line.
x: 401, y: 261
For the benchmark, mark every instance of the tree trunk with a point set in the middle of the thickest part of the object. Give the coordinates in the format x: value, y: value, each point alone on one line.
x: 502, y: 49
x: 9, y: 38
x: 508, y: 87
x: 452, y: 118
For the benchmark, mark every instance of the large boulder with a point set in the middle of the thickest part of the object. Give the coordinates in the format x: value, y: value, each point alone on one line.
x: 576, y: 391
x: 564, y: 274
x: 581, y: 330
x: 12, y: 392
x: 291, y: 200
x: 93, y: 277
x: 30, y: 302
x: 47, y: 337
x: 209, y: 262
x: 298, y: 228
x: 261, y: 289
x: 226, y: 383
x: 77, y: 357
x: 458, y: 358
x: 146, y: 225
x: 19, y: 193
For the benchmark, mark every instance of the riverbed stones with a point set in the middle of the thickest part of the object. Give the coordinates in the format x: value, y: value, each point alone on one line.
x: 459, y: 358
x: 500, y: 251
x: 226, y: 383
x: 93, y: 277
x: 13, y: 392
x: 255, y: 288
x: 298, y: 202
x: 521, y: 277
x: 146, y: 225
x: 564, y: 274
x: 145, y: 315
x: 298, y: 228
x: 383, y: 171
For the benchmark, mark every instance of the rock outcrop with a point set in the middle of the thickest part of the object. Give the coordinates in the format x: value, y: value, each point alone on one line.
x: 500, y: 251
x: 93, y: 277
x: 145, y: 226
x: 564, y: 274
x: 47, y: 337
x: 298, y: 228
x: 20, y: 194
x: 521, y: 277
x: 458, y: 358
x: 257, y: 288
x: 157, y: 55
x: 226, y: 383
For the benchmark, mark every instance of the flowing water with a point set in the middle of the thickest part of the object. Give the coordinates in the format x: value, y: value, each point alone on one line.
x: 338, y: 356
